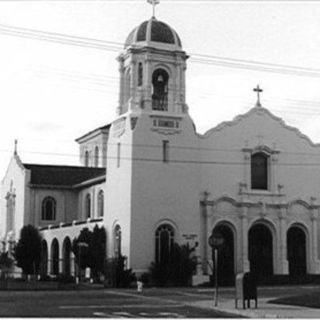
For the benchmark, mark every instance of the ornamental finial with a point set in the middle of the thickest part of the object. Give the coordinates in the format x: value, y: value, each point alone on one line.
x: 153, y: 3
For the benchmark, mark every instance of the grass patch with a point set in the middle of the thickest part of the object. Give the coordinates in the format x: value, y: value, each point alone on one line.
x: 311, y: 300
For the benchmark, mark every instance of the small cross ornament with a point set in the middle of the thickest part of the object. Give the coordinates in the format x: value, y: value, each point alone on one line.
x: 258, y: 90
x: 153, y: 3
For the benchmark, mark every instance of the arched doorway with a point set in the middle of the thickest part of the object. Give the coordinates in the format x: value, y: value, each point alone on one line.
x: 226, y: 272
x: 66, y: 256
x: 55, y: 257
x: 43, y: 270
x: 260, y: 252
x: 296, y: 252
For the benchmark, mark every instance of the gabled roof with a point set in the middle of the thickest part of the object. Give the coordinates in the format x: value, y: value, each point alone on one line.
x: 64, y: 176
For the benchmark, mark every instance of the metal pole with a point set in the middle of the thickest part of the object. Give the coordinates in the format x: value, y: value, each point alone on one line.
x: 79, y: 264
x: 216, y: 276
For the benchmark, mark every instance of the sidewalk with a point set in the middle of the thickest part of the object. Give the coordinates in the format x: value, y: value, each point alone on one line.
x: 264, y: 310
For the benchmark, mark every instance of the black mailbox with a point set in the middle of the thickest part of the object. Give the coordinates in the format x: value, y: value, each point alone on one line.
x: 246, y: 289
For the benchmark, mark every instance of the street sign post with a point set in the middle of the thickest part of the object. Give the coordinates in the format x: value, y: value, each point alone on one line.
x: 81, y: 245
x: 216, y: 241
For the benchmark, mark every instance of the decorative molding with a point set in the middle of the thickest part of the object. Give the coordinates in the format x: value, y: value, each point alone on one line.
x: 119, y: 127
x: 133, y: 121
x: 166, y: 132
x: 261, y: 148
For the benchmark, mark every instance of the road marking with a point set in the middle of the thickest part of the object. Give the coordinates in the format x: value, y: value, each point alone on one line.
x: 169, y: 315
x: 123, y: 314
x: 143, y: 314
x: 101, y: 314
x: 127, y: 306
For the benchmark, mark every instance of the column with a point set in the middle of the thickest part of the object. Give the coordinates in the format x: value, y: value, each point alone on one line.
x: 148, y: 84
x: 121, y: 93
x: 244, y: 261
x: 72, y: 264
x: 133, y: 73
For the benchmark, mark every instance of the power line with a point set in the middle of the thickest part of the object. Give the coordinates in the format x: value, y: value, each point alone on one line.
x: 159, y: 147
x: 197, y: 58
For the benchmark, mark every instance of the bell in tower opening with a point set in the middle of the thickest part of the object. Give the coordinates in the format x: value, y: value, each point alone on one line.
x: 160, y: 90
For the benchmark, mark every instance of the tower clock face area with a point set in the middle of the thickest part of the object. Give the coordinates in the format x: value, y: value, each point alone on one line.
x: 160, y: 80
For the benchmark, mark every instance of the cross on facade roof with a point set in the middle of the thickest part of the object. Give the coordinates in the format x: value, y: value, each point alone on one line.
x: 15, y: 146
x: 258, y: 90
x: 153, y: 3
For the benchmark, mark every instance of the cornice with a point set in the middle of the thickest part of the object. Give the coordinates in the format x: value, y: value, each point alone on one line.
x: 259, y: 111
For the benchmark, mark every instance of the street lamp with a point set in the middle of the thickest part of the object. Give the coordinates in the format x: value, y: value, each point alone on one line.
x: 81, y: 245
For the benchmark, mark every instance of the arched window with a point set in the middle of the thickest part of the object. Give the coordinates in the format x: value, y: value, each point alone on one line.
x: 96, y: 157
x: 117, y: 241
x: 48, y: 209
x: 140, y: 74
x: 259, y: 171
x: 88, y: 206
x: 164, y: 243
x: 160, y: 79
x: 100, y: 203
x: 86, y: 159
x: 127, y: 86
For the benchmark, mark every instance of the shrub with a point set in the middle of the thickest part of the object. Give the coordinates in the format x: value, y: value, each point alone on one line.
x: 66, y: 278
x: 178, y: 271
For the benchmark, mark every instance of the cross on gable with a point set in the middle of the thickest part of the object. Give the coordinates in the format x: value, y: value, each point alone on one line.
x: 258, y: 90
x: 153, y: 3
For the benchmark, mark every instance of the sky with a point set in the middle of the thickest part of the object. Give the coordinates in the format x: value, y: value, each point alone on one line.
x: 59, y: 74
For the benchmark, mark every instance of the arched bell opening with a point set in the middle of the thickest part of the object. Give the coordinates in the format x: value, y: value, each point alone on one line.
x: 160, y: 79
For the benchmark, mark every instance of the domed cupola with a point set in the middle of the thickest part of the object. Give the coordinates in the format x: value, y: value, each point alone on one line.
x: 152, y: 70
x: 154, y: 33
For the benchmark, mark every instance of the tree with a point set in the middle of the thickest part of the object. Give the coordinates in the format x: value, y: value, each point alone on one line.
x: 28, y: 250
x: 97, y: 249
x: 93, y: 255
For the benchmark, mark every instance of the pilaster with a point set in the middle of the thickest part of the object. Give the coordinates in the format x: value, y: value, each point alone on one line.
x: 283, y: 265
x: 244, y: 262
x: 315, y: 262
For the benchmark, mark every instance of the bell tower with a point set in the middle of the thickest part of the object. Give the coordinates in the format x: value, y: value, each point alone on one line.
x: 152, y: 70
x: 149, y: 144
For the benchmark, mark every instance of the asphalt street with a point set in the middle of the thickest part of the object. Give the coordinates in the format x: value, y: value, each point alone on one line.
x: 104, y: 303
x: 128, y: 303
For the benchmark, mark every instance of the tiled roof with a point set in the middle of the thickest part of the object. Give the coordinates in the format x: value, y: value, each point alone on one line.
x: 104, y: 128
x: 62, y: 175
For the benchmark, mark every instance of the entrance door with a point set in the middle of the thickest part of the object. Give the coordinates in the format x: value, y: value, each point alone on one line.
x: 260, y: 252
x: 296, y: 254
x: 226, y: 272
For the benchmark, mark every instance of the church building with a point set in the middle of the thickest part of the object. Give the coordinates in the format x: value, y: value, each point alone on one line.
x: 151, y: 180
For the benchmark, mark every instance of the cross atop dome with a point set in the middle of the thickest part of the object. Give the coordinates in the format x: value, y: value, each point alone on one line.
x: 153, y: 3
